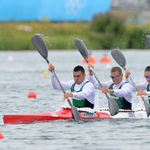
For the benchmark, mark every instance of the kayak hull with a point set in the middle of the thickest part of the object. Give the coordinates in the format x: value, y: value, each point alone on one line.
x: 65, y: 114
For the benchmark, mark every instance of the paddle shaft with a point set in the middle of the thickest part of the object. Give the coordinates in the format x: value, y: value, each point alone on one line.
x: 97, y: 78
x: 129, y: 76
x: 135, y: 86
x: 59, y: 82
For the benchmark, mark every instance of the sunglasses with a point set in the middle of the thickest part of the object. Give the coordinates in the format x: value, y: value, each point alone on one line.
x: 146, y: 76
x: 76, y: 76
x: 115, y: 77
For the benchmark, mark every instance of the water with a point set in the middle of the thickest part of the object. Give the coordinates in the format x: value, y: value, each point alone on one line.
x: 21, y: 72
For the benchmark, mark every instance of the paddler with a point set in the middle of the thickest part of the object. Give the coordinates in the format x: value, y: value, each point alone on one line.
x: 119, y: 90
x: 141, y: 86
x: 82, y: 91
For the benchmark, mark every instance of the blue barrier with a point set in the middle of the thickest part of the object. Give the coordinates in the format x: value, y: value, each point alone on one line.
x: 51, y: 10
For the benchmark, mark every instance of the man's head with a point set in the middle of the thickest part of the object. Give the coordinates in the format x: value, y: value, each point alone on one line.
x: 147, y: 73
x: 79, y: 74
x: 116, y: 75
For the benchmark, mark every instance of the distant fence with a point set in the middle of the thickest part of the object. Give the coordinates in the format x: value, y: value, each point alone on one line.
x: 51, y: 10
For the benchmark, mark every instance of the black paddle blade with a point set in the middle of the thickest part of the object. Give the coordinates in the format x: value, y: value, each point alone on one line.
x: 148, y: 39
x: 75, y: 113
x: 82, y: 48
x: 113, y: 107
x: 119, y: 57
x: 40, y: 45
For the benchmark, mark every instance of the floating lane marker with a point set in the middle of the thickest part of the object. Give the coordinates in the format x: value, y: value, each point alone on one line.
x: 55, y: 63
x: 45, y: 73
x: 1, y: 136
x: 31, y: 94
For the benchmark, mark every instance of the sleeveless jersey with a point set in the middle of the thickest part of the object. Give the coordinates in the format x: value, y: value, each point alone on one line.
x: 121, y: 101
x: 80, y: 102
x: 148, y: 86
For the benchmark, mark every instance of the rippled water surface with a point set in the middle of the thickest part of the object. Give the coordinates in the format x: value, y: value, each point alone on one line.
x: 21, y: 72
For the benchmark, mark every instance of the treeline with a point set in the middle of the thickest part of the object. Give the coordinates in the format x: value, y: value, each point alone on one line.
x: 106, y: 31
x: 111, y: 31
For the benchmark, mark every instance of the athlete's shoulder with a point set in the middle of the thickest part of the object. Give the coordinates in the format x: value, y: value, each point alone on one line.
x: 88, y: 83
x: 126, y: 84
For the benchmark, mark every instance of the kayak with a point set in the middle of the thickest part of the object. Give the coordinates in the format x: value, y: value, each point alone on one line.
x: 65, y: 114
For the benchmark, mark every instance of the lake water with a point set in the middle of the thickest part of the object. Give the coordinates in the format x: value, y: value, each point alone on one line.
x: 21, y: 72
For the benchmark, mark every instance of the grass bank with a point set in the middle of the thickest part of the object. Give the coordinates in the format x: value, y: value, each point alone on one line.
x: 17, y: 36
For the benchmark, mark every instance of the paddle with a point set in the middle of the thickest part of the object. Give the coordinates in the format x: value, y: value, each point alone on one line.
x: 120, y: 59
x: 148, y: 39
x: 41, y: 47
x: 113, y: 107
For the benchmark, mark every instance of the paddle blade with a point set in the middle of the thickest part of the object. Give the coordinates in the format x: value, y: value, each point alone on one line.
x: 119, y: 57
x: 75, y: 113
x: 82, y: 49
x: 147, y: 108
x: 40, y: 45
x: 113, y: 107
x: 148, y: 39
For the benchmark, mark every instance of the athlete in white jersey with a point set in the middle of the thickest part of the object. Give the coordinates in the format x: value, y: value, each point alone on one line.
x: 141, y: 86
x: 119, y: 90
x: 82, y: 91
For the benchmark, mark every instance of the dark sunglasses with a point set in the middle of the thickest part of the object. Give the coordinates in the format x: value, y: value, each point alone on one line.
x: 146, y: 76
x: 76, y: 76
x: 115, y: 77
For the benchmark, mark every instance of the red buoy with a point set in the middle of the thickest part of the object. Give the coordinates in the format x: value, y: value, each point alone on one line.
x: 31, y: 95
x: 105, y: 59
x: 91, y: 59
x: 1, y: 136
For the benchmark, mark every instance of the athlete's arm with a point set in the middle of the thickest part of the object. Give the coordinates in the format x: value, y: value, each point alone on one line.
x: 96, y: 84
x: 65, y: 85
x: 87, y: 91
x: 124, y: 91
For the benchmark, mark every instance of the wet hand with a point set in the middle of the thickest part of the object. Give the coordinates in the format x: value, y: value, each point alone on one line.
x: 67, y: 95
x: 127, y: 73
x: 51, y: 67
x: 90, y: 67
x: 105, y: 90
x: 141, y: 93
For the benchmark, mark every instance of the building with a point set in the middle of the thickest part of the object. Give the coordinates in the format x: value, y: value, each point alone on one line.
x: 51, y: 10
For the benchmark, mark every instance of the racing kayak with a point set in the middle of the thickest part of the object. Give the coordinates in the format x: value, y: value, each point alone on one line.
x: 65, y: 114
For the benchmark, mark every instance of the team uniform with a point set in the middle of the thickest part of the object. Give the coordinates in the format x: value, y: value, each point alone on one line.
x: 83, y: 94
x: 141, y: 86
x: 123, y: 92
